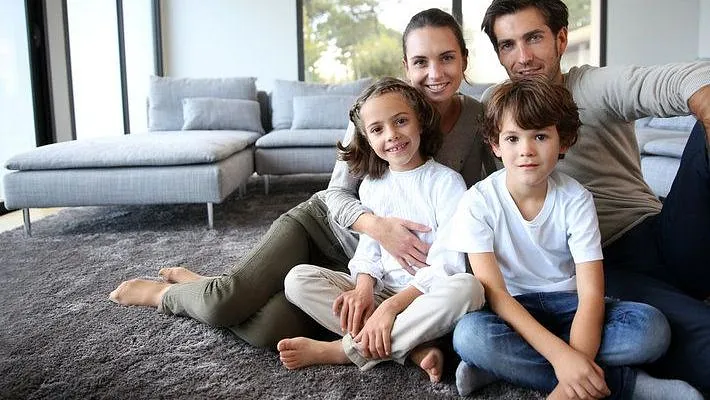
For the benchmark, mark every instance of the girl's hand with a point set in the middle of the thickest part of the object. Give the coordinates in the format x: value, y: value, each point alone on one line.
x: 397, y: 237
x: 579, y: 376
x: 375, y: 339
x: 354, y: 308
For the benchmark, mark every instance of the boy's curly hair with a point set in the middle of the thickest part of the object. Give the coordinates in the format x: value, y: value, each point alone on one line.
x: 534, y: 102
x: 361, y: 158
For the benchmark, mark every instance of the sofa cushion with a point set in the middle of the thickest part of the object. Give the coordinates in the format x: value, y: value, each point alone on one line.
x: 321, y: 112
x: 209, y: 113
x: 682, y: 123
x: 147, y: 149
x: 284, y: 92
x: 166, y: 94
x: 669, y: 147
x: 301, y: 138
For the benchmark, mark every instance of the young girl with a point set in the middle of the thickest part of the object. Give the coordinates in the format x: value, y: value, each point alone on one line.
x: 382, y: 311
x: 533, y: 241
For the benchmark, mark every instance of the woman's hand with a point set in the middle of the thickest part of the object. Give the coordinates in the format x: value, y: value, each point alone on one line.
x: 578, y: 376
x: 375, y: 339
x: 397, y: 236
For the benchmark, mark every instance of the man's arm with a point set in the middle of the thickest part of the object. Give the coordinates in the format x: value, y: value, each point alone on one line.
x: 586, y: 331
x: 699, y: 104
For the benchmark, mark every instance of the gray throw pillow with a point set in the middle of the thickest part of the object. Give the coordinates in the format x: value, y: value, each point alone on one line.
x: 208, y: 113
x: 682, y: 123
x: 322, y: 112
x: 166, y: 94
x: 284, y: 92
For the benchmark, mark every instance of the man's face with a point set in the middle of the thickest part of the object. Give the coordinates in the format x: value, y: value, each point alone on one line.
x: 526, y: 45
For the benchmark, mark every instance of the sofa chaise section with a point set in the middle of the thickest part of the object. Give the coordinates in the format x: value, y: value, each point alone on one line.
x: 199, y: 149
x: 151, y: 168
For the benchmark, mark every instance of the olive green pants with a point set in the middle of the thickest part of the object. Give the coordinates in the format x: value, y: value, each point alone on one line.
x: 249, y: 300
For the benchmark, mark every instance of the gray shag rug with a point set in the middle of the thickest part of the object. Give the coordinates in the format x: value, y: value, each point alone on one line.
x: 60, y: 336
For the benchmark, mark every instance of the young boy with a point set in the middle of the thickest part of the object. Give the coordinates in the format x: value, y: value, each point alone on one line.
x: 532, y: 238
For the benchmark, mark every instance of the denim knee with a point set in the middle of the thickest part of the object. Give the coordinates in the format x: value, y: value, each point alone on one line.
x: 471, y: 339
x: 636, y: 333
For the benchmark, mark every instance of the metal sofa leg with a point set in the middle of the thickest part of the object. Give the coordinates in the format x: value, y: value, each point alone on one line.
x: 266, y: 184
x: 26, y: 221
x: 210, y: 215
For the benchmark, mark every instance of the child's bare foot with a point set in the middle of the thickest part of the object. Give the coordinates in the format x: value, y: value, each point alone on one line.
x: 301, y: 352
x: 139, y: 292
x: 179, y: 275
x: 430, y: 359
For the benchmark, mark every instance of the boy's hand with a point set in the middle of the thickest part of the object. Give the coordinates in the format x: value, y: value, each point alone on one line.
x: 579, y: 376
x: 375, y: 339
x: 354, y: 307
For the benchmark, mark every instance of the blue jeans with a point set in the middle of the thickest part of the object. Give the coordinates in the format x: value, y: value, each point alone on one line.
x: 664, y: 262
x: 633, y: 333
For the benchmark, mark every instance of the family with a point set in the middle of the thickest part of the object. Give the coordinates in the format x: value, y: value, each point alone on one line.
x: 561, y: 272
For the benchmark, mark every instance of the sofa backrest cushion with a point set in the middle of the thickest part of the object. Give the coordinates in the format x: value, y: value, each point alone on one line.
x: 322, y: 112
x: 209, y: 113
x: 284, y: 92
x: 166, y: 94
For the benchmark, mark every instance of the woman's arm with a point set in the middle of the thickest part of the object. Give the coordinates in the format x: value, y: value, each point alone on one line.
x: 577, y: 374
x: 699, y: 104
x: 586, y: 332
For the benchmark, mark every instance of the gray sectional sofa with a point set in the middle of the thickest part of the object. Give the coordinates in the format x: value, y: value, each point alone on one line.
x: 206, y: 138
x: 661, y: 142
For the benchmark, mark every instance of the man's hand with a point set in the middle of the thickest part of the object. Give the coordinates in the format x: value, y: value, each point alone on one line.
x: 699, y: 104
x: 355, y: 306
x: 579, y: 376
x: 395, y: 235
x: 375, y: 339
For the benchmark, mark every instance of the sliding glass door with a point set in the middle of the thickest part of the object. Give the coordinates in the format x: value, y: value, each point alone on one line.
x: 17, y: 127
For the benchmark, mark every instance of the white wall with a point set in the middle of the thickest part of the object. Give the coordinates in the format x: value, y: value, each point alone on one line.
x: 704, y: 35
x: 221, y: 38
x: 645, y: 32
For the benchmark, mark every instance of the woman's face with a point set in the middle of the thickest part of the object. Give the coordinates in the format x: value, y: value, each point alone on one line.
x: 434, y: 63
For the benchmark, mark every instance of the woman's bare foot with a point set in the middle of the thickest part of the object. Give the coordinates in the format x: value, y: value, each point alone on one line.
x: 430, y: 359
x: 179, y: 275
x: 139, y: 292
x: 301, y: 352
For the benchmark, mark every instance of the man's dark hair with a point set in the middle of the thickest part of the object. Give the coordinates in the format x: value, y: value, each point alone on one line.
x: 554, y: 11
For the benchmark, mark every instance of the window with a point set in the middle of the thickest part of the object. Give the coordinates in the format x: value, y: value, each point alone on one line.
x: 110, y: 88
x: 349, y: 39
x: 17, y: 125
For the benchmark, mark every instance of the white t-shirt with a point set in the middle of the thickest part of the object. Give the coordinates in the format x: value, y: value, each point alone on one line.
x: 427, y: 195
x: 534, y: 256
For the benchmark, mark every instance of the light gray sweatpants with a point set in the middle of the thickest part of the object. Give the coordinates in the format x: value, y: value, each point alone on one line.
x: 431, y: 315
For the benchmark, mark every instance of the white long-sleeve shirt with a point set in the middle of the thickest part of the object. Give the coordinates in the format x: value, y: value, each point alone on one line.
x: 427, y: 195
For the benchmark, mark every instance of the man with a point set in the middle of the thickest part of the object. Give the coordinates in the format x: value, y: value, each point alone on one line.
x: 653, y: 252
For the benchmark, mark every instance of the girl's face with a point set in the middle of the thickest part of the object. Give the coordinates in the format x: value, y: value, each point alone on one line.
x: 393, y: 131
x: 529, y: 156
x: 434, y: 63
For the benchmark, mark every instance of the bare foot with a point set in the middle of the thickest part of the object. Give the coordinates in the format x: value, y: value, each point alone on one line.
x: 430, y: 359
x: 139, y: 292
x: 179, y: 275
x: 301, y: 352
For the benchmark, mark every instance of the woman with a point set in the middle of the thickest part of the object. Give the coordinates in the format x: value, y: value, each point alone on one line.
x: 249, y: 300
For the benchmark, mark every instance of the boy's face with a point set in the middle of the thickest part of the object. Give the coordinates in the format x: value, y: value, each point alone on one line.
x: 393, y: 131
x: 529, y: 156
x: 526, y: 45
